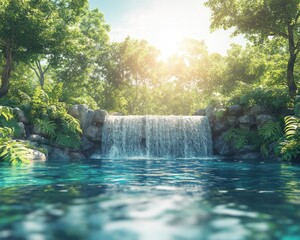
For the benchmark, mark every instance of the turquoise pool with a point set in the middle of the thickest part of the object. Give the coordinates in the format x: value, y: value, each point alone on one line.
x: 150, y: 199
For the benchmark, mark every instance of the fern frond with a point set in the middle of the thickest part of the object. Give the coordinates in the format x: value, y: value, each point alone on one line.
x: 69, y: 141
x: 46, y: 126
x: 13, y: 152
x: 6, y: 112
x: 234, y: 136
x: 270, y: 131
x: 6, y: 133
x: 292, y: 125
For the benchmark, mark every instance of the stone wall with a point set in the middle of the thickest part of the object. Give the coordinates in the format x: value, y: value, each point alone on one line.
x: 91, y: 123
x: 239, y: 117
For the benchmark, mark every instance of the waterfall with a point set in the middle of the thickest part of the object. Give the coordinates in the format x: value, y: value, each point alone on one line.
x: 156, y: 136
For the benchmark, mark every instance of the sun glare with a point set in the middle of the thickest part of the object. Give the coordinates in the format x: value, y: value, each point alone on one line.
x: 171, y: 23
x: 165, y: 24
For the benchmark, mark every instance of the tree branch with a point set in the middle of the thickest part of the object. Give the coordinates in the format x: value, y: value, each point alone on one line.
x: 33, y: 68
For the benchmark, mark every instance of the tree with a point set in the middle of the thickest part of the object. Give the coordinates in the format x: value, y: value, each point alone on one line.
x: 29, y: 28
x: 132, y: 68
x: 80, y: 67
x: 260, y: 19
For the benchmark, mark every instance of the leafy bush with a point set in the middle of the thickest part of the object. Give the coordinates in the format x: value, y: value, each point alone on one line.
x: 241, y: 137
x: 10, y: 151
x: 267, y: 96
x: 50, y: 118
x: 13, y: 152
x: 271, y: 131
x: 289, y: 145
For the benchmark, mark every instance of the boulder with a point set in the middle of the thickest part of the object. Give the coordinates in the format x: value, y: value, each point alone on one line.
x: 232, y: 121
x: 21, y: 133
x: 74, y: 112
x: 36, y: 130
x: 37, y: 138
x: 35, y: 155
x: 256, y: 110
x: 93, y: 133
x: 86, y: 116
x: 20, y: 115
x: 246, y: 149
x: 210, y: 112
x: 76, y: 156
x: 247, y: 119
x: 200, y: 112
x: 223, y: 148
x: 47, y: 147
x: 261, y: 119
x: 235, y: 110
x: 100, y: 117
x: 59, y: 154
x: 86, y: 144
x: 219, y: 127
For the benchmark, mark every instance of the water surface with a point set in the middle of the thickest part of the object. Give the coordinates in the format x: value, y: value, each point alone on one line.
x: 150, y: 199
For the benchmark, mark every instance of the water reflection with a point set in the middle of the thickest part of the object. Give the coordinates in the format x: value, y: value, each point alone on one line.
x: 150, y: 199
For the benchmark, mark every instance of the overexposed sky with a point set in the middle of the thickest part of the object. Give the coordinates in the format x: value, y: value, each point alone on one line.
x: 163, y: 23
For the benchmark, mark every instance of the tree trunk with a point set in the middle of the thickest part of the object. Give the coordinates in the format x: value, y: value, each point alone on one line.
x: 290, y: 76
x: 6, y: 71
x: 291, y: 64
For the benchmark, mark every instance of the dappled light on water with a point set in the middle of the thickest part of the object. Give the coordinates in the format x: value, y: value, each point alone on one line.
x: 150, y: 199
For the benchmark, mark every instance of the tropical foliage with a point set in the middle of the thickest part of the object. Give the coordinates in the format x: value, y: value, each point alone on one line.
x: 11, y: 151
x: 64, y: 56
x: 289, y: 145
x: 51, y: 119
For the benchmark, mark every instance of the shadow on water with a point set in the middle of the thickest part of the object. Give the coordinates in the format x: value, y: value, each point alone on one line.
x: 151, y: 199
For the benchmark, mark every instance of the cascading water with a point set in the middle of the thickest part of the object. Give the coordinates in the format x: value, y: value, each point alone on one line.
x: 156, y: 136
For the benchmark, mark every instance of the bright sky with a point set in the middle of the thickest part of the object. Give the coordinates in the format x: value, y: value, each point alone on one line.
x: 163, y: 23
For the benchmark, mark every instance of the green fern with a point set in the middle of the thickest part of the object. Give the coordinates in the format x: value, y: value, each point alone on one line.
x: 233, y: 135
x: 270, y: 131
x: 291, y: 126
x: 5, y: 134
x: 13, y: 152
x: 289, y: 146
x: 6, y: 112
x: 69, y: 141
x: 46, y: 126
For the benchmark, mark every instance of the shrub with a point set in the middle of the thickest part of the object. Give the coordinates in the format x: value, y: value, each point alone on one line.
x: 11, y: 151
x: 289, y: 145
x: 268, y: 96
x: 50, y: 117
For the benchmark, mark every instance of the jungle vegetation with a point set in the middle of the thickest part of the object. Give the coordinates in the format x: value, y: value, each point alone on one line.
x: 57, y: 53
